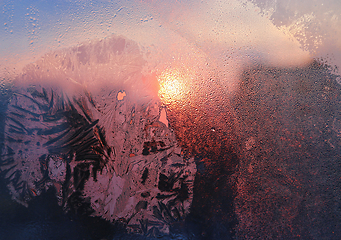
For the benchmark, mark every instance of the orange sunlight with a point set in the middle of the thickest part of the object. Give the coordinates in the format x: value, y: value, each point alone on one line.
x: 173, y: 85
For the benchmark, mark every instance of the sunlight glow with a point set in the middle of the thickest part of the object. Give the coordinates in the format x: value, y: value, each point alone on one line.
x: 172, y: 85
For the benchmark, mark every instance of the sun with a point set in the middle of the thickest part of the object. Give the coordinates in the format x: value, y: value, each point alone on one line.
x: 172, y: 84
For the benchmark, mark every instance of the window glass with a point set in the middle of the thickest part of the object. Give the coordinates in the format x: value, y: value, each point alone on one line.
x: 170, y: 119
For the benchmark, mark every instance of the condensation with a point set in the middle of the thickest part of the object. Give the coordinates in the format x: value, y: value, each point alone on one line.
x: 200, y: 119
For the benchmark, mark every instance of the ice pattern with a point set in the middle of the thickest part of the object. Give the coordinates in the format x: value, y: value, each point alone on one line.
x: 104, y: 150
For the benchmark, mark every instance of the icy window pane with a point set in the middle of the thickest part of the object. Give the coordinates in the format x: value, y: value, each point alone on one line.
x: 182, y: 119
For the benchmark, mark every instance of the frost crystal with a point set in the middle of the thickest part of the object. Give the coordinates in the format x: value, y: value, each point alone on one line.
x: 103, y: 149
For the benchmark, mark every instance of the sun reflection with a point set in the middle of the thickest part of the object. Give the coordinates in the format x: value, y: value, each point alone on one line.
x: 173, y: 85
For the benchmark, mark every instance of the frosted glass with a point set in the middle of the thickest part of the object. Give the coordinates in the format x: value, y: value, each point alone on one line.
x: 170, y: 119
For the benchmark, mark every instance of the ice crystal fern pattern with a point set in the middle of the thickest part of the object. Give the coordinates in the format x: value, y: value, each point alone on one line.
x: 105, y: 155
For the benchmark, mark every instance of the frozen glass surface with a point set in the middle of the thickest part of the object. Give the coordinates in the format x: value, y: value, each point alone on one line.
x: 170, y: 119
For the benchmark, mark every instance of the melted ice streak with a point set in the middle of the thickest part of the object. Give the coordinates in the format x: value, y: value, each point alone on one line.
x: 103, y: 149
